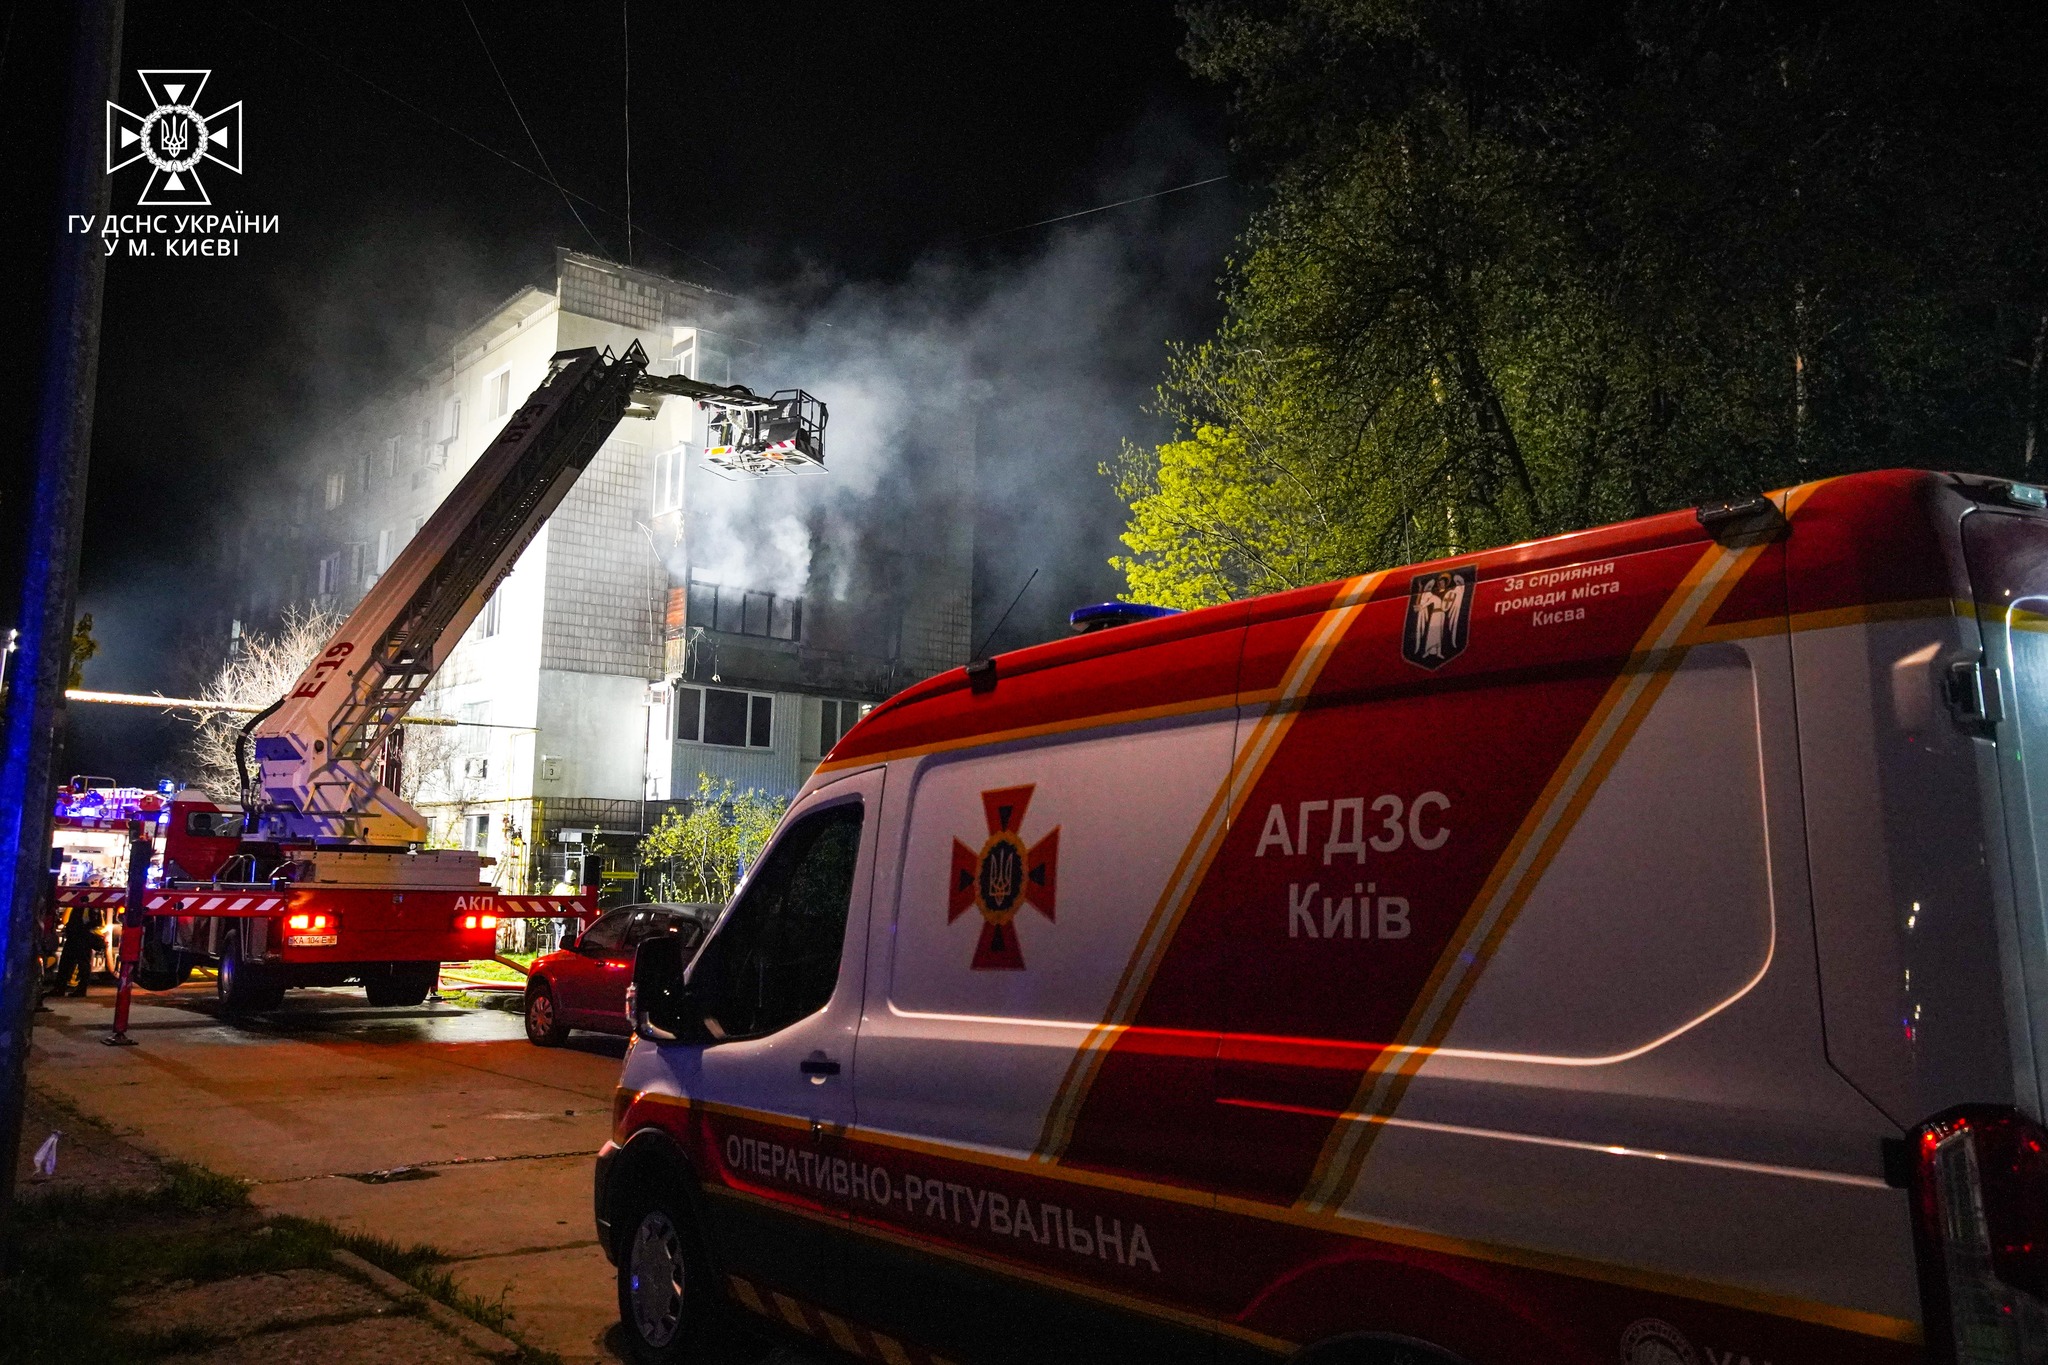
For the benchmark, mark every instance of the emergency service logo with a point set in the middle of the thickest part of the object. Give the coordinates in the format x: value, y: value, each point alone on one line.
x: 1652, y: 1341
x: 1439, y: 616
x: 1002, y: 878
x: 174, y: 138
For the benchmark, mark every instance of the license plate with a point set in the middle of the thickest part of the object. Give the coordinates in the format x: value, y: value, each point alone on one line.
x: 310, y: 940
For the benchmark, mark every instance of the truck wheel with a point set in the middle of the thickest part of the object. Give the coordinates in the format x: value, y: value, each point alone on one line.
x: 243, y: 987
x: 544, y: 1027
x: 162, y: 967
x: 400, y: 983
x: 667, y: 1302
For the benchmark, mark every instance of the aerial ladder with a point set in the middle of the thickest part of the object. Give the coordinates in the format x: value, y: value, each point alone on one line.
x: 324, y: 848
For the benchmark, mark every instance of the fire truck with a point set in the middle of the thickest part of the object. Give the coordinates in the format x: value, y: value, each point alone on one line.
x: 320, y: 875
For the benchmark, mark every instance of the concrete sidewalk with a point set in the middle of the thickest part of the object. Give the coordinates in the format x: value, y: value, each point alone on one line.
x: 498, y: 1134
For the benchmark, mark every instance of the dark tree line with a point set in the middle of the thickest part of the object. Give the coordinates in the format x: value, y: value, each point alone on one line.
x: 1529, y: 265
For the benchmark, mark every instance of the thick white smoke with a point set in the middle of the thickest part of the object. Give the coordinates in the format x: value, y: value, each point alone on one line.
x: 1039, y: 364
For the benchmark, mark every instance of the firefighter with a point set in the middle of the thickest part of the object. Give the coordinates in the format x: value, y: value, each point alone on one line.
x: 81, y: 940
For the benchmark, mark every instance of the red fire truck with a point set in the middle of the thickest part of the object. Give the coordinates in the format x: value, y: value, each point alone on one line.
x: 319, y: 876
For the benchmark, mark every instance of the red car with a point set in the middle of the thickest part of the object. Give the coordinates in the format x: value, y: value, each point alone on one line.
x: 583, y: 984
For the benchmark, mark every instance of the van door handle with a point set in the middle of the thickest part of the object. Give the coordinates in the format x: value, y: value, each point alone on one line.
x: 818, y: 1066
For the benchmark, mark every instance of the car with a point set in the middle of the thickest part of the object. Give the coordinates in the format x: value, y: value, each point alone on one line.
x: 583, y: 984
x: 1626, y: 946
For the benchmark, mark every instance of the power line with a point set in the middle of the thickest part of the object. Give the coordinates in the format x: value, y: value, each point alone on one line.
x: 1099, y: 208
x: 531, y: 139
x: 466, y: 136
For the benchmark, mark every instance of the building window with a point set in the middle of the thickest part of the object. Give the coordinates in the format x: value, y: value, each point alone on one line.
x: 835, y: 718
x: 498, y: 393
x: 390, y: 456
x: 487, y: 620
x: 476, y: 831
x: 330, y: 574
x: 337, y: 488
x: 476, y: 767
x: 387, y: 548
x: 362, y: 473
x: 725, y: 718
x: 743, y: 611
x: 732, y: 720
x: 451, y: 419
x: 356, y: 562
x: 668, y: 478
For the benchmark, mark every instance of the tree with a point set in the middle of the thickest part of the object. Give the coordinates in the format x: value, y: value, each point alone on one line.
x: 261, y: 670
x: 83, y: 648
x: 1528, y: 265
x: 698, y: 856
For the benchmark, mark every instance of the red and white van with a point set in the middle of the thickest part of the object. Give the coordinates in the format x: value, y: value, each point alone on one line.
x: 1628, y: 946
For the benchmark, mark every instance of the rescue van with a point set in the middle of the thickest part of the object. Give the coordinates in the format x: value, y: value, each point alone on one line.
x: 1627, y: 946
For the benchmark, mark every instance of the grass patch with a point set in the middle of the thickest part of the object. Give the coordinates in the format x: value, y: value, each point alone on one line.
x: 422, y: 1267
x: 65, y: 1258
x: 487, y: 969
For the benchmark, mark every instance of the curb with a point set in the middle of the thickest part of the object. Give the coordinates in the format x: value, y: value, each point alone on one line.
x: 474, y: 1334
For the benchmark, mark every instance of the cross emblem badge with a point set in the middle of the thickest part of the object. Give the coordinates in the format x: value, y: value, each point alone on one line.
x: 174, y: 137
x: 1002, y: 878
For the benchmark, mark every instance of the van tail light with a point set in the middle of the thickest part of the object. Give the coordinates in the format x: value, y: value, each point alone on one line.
x: 476, y: 921
x: 1980, y: 1222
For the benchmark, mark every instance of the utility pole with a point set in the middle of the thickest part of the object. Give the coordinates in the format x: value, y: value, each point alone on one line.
x: 49, y: 585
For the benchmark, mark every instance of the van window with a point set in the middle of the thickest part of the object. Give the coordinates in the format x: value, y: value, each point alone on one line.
x: 776, y: 958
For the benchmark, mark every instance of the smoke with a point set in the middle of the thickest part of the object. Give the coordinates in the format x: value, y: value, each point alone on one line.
x: 972, y: 400
x: 1019, y: 374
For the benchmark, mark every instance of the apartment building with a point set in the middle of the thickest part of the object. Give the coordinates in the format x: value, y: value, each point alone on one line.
x: 610, y: 669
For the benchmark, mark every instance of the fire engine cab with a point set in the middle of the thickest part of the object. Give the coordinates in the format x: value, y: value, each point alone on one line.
x: 320, y: 874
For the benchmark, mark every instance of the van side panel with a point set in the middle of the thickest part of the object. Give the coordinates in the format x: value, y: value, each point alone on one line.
x: 1905, y: 846
x: 2007, y: 553
x: 1502, y: 953
x: 1399, y: 821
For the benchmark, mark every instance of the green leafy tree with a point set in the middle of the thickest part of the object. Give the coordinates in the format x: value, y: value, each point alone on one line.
x: 1529, y: 265
x: 698, y: 855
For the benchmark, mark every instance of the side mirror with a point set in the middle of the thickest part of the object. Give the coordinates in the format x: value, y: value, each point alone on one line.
x: 664, y: 1006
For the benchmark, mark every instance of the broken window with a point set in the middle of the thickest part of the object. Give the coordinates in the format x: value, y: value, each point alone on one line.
x: 736, y: 610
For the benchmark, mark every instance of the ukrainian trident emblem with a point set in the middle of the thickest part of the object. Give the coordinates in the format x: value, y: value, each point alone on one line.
x: 174, y: 137
x: 1004, y: 877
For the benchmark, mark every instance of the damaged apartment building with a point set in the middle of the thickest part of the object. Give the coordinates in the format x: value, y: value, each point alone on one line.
x: 611, y: 667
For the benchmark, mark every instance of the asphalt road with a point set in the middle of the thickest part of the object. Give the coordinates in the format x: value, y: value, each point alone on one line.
x: 322, y: 1102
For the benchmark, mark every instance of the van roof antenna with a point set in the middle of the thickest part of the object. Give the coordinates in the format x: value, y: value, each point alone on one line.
x: 1006, y: 615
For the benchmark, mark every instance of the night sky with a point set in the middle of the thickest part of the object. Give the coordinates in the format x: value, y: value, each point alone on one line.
x: 776, y: 148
